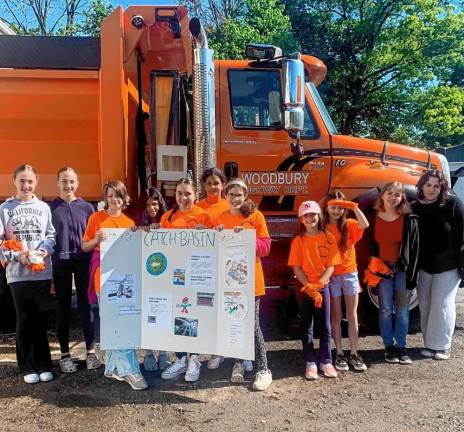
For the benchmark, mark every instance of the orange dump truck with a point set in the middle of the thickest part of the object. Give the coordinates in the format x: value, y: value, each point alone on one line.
x: 146, y: 103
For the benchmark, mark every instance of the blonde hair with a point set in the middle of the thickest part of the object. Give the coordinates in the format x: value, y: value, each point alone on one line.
x: 402, y: 208
x: 121, y: 192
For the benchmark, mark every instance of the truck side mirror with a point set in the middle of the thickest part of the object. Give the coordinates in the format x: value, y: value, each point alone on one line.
x: 293, y: 95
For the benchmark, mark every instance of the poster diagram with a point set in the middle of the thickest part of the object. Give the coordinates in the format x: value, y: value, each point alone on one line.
x: 235, y: 305
x: 236, y: 267
x: 120, y: 289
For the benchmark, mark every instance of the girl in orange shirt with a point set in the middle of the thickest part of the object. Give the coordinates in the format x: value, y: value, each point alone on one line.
x: 213, y: 182
x: 242, y: 214
x: 185, y: 215
x: 121, y: 365
x: 313, y: 255
x: 344, y: 281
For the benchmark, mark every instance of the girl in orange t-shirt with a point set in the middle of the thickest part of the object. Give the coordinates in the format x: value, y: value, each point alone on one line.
x: 242, y: 214
x: 213, y: 181
x: 344, y: 281
x: 121, y: 365
x: 185, y: 215
x: 313, y: 255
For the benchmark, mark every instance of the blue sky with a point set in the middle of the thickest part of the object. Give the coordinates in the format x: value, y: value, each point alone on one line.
x: 126, y: 3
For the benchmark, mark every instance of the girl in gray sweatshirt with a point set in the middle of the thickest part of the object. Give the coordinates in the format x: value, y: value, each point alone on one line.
x: 26, y: 220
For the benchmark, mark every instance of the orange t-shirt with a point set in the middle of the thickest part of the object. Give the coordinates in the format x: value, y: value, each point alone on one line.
x: 314, y: 254
x: 254, y: 221
x: 389, y: 236
x: 214, y: 210
x: 98, y: 220
x: 348, y: 258
x: 189, y: 219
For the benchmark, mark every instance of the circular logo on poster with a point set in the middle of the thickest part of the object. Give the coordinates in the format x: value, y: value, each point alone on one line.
x: 156, y: 264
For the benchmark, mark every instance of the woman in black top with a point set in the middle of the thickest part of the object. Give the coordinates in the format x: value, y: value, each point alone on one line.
x: 441, y: 258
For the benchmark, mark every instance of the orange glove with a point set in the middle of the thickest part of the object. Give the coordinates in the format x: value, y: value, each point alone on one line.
x: 15, y: 245
x: 371, y: 279
x: 312, y: 291
x: 350, y: 205
x: 376, y: 271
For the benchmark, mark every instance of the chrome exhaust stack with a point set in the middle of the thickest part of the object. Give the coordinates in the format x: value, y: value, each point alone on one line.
x: 203, y: 103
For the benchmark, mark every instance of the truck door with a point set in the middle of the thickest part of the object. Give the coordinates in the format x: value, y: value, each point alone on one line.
x: 254, y: 146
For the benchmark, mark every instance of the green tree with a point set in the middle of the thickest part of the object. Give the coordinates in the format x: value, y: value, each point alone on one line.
x: 231, y: 25
x: 384, y: 59
x: 95, y: 13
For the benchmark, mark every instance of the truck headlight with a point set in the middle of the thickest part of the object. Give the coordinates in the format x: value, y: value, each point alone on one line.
x: 445, y: 168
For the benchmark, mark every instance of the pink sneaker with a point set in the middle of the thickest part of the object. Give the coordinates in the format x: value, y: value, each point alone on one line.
x: 311, y: 371
x: 328, y: 370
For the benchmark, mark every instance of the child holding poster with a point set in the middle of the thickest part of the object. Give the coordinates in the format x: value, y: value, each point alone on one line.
x: 148, y: 215
x: 313, y: 255
x: 185, y: 215
x: 242, y: 214
x: 119, y: 364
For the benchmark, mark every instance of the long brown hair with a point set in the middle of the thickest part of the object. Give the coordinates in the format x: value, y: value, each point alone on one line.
x: 248, y: 206
x: 186, y: 181
x: 341, y: 221
x: 444, y: 187
x: 402, y: 208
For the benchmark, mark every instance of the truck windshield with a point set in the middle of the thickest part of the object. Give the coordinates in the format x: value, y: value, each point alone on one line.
x: 322, y: 109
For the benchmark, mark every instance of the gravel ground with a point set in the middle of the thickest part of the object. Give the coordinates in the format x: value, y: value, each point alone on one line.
x: 425, y: 396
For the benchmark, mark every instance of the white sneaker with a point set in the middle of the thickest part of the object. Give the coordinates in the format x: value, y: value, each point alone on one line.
x: 31, y: 378
x: 442, y: 355
x: 248, y: 365
x: 177, y: 368
x: 263, y: 380
x: 193, y: 368
x: 214, y: 362
x: 46, y: 376
x: 237, y: 372
x: 136, y: 381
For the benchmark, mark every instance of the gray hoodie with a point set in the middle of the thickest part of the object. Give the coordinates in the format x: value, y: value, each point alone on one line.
x: 30, y: 223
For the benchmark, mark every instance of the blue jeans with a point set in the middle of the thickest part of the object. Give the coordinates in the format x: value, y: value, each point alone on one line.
x: 122, y: 362
x: 394, y: 299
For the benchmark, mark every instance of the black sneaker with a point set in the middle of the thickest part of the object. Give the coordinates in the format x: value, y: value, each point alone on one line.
x: 340, y: 363
x: 357, y: 362
x: 403, y: 357
x: 390, y: 355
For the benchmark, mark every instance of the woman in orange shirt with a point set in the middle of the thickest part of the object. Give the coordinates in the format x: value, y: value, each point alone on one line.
x: 393, y: 237
x: 242, y: 214
x: 313, y: 255
x: 344, y: 281
x: 185, y: 215
x: 121, y: 365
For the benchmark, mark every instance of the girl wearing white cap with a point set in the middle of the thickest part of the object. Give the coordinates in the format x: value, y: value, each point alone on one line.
x: 313, y: 255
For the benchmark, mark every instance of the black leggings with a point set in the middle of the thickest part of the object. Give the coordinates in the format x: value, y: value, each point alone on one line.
x: 63, y: 272
x: 260, y: 347
x: 33, y: 305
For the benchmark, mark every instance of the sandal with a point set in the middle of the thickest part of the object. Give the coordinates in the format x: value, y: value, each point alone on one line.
x: 67, y: 365
x: 92, y: 361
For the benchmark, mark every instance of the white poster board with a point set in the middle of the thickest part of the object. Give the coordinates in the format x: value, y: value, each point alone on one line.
x: 179, y: 290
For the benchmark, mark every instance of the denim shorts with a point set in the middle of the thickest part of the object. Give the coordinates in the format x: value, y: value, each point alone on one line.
x: 346, y: 284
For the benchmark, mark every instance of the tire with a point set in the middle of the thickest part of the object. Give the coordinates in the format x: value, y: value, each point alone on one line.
x: 368, y: 309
